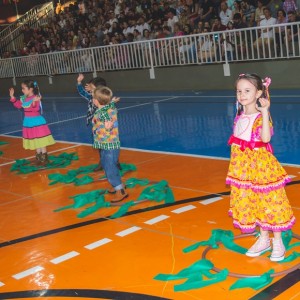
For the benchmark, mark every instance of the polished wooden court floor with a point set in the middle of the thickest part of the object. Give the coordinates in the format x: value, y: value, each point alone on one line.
x: 56, y: 255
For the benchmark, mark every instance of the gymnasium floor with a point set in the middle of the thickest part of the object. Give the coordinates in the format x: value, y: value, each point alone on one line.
x: 177, y: 137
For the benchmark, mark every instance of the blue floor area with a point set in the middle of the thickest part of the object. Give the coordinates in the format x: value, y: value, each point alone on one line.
x: 183, y: 122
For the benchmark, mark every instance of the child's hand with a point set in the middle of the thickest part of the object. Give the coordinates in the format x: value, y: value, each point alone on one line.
x: 80, y: 78
x: 37, y: 98
x: 115, y: 99
x: 108, y: 125
x: 264, y: 104
x: 11, y: 92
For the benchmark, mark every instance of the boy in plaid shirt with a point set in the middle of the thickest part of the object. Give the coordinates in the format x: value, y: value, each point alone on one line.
x: 106, y: 139
x: 86, y: 93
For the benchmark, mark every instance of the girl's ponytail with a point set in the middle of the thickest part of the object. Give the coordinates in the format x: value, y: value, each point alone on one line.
x: 266, y: 82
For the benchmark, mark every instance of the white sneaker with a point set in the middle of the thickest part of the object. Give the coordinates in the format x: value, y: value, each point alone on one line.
x: 278, y: 251
x: 261, y: 246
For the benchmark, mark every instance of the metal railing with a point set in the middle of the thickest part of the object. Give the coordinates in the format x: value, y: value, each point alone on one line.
x: 206, y: 48
x: 11, y: 38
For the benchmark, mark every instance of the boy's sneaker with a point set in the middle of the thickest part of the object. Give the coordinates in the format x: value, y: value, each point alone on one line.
x: 119, y: 196
x: 278, y: 252
x: 261, y: 245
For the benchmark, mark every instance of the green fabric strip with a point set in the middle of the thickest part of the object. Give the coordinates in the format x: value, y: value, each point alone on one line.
x: 133, y: 182
x: 197, y: 267
x: 195, y: 283
x: 218, y: 236
x: 23, y: 166
x: 158, y: 192
x: 123, y: 210
x: 100, y: 203
x: 255, y: 283
x: 81, y: 200
x: 195, y: 275
x: 291, y: 257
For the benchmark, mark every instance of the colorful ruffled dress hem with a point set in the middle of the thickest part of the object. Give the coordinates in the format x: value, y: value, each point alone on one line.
x: 264, y: 226
x: 264, y: 188
x: 36, y: 143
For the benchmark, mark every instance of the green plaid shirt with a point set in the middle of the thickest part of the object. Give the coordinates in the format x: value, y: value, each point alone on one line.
x: 106, y: 139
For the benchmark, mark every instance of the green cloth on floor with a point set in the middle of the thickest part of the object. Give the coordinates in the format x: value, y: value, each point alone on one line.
x: 158, y: 192
x: 198, y: 275
x: 133, y: 182
x: 291, y: 257
x: 255, y: 283
x: 24, y: 166
x: 99, y: 203
x: 123, y: 209
x: 225, y: 237
x: 72, y: 175
x: 84, y: 199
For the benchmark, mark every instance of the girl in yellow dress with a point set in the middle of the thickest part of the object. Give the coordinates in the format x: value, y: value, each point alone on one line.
x: 256, y: 178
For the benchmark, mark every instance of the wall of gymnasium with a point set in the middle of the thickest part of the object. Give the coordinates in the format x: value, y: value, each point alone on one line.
x: 285, y: 75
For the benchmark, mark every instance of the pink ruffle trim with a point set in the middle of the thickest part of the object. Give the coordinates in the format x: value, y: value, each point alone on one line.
x: 259, y: 188
x: 36, y: 132
x: 263, y: 226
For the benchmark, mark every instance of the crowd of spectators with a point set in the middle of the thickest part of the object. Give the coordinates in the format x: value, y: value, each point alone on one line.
x: 105, y: 22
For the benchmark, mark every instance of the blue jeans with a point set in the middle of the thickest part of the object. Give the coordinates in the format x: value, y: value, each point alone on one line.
x: 109, y: 162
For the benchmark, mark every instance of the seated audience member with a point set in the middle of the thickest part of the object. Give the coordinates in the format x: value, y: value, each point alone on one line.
x: 259, y: 12
x: 225, y: 14
x: 290, y: 5
x: 292, y: 33
x: 237, y: 8
x: 241, y: 39
x: 172, y: 19
x: 217, y: 25
x: 248, y: 12
x: 264, y: 44
x: 280, y: 31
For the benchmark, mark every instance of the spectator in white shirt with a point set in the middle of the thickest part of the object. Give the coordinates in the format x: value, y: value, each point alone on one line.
x: 126, y: 29
x: 172, y: 19
x: 225, y: 14
x: 266, y: 39
x: 142, y: 25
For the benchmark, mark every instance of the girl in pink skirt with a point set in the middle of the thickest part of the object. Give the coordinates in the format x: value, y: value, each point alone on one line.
x: 36, y: 133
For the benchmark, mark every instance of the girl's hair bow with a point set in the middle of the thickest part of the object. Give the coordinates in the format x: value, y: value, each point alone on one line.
x: 267, y: 81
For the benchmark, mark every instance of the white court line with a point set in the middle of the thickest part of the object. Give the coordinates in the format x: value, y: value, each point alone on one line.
x: 157, y: 101
x: 54, y: 151
x: 210, y: 200
x: 156, y: 219
x: 132, y: 106
x: 57, y: 122
x: 84, y: 116
x: 98, y: 244
x: 128, y: 231
x: 64, y: 257
x: 175, y: 153
x: 180, y: 96
x: 158, y: 152
x: 28, y: 272
x: 292, y: 176
x: 183, y: 209
x: 1, y: 284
